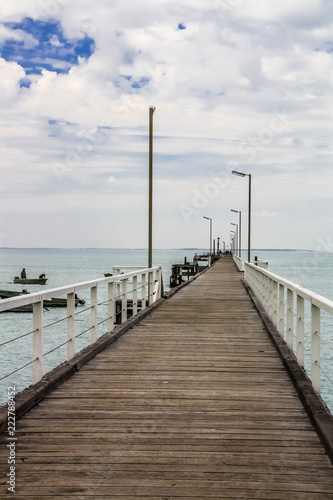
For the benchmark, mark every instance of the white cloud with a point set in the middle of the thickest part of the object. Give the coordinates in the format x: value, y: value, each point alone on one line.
x: 245, y: 84
x: 18, y: 35
x: 10, y: 75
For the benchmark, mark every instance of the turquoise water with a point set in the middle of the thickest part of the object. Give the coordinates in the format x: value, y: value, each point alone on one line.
x: 312, y: 270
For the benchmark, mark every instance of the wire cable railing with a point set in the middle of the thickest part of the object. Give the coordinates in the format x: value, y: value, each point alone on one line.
x: 124, y: 295
x: 289, y: 306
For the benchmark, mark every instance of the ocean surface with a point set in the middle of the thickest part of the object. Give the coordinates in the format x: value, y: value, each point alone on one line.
x: 312, y: 270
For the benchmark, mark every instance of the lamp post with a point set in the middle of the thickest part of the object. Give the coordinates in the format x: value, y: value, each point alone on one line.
x: 239, y: 231
x: 236, y: 236
x: 231, y: 244
x: 150, y: 216
x: 241, y: 174
x: 210, y: 234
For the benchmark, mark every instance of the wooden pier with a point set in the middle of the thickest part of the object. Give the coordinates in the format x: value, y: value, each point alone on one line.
x: 193, y: 402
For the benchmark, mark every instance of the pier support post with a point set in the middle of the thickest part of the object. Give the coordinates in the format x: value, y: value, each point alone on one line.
x: 111, y: 305
x: 315, y: 347
x: 93, y: 314
x: 150, y: 288
x: 70, y: 325
x: 123, y: 300
x: 281, y: 311
x: 300, y: 331
x: 143, y: 283
x: 290, y: 319
x: 37, y: 366
x: 135, y: 295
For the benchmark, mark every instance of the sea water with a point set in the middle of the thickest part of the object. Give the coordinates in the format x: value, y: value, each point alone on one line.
x: 312, y: 270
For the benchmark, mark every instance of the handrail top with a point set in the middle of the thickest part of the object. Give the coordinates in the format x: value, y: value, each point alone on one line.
x: 32, y: 298
x: 314, y: 298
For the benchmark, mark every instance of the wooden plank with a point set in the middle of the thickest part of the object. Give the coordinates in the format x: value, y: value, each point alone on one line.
x: 193, y: 402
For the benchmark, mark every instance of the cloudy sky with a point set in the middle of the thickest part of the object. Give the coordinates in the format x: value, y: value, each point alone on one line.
x: 237, y: 84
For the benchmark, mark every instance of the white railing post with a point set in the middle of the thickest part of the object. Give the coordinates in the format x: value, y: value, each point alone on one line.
x: 118, y: 293
x: 111, y: 306
x: 271, y: 295
x: 315, y: 347
x: 70, y: 325
x: 150, y: 287
x: 281, y: 311
x: 135, y: 295
x: 93, y: 314
x: 123, y: 300
x: 143, y: 295
x: 275, y: 302
x: 37, y: 366
x: 290, y: 319
x: 267, y: 296
x: 300, y: 331
x: 159, y: 279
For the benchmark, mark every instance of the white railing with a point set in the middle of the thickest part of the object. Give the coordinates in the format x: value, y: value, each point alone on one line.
x: 133, y: 290
x: 284, y: 302
x: 238, y: 262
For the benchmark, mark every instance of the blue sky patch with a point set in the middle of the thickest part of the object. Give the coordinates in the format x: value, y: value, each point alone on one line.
x: 25, y: 82
x: 135, y: 83
x: 51, y: 51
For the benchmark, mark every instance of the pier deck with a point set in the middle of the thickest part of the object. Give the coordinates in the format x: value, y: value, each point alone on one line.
x: 193, y: 402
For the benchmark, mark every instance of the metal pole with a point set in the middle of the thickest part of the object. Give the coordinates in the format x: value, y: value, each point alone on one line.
x: 249, y: 235
x: 150, y: 219
x: 240, y: 235
x: 236, y: 238
x: 210, y: 224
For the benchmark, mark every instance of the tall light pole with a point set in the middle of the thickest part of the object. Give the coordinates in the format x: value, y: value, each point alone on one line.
x: 232, y: 240
x: 236, y: 235
x: 239, y: 231
x: 210, y: 234
x: 150, y: 217
x: 241, y: 174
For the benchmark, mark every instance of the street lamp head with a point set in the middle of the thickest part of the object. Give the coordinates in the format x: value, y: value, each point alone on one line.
x: 241, y: 174
x: 208, y: 218
x: 232, y: 210
x: 233, y: 224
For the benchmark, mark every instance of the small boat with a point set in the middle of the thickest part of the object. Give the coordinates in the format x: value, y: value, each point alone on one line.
x: 30, y: 281
x: 59, y: 302
x: 6, y: 294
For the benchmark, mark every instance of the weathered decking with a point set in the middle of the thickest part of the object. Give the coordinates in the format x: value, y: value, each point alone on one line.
x: 191, y: 403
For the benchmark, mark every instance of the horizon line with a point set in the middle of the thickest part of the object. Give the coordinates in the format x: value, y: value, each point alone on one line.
x: 158, y: 249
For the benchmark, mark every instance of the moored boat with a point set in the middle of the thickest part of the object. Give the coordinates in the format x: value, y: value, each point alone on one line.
x: 30, y: 281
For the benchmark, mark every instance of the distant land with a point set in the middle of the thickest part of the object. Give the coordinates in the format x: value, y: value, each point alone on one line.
x: 156, y: 249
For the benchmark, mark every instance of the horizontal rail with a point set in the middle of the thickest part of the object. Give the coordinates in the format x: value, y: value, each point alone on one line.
x: 284, y: 302
x: 124, y: 295
x: 32, y: 298
x: 238, y: 262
